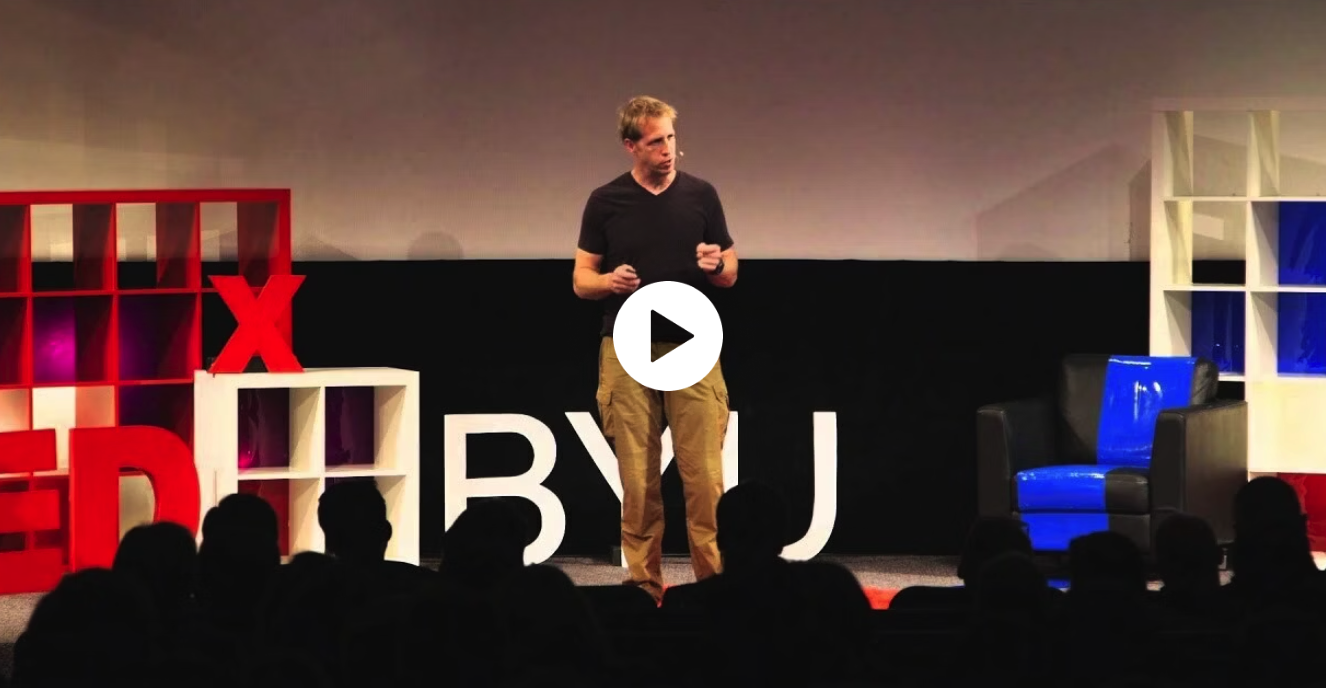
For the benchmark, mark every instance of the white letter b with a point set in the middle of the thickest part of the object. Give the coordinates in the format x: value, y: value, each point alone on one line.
x: 529, y: 485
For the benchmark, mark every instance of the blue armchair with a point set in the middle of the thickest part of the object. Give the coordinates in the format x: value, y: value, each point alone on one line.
x: 1122, y: 442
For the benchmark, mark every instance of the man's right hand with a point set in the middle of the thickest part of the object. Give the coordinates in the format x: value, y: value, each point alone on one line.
x: 623, y: 280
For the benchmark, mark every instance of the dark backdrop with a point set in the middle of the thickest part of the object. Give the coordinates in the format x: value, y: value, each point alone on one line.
x: 903, y: 352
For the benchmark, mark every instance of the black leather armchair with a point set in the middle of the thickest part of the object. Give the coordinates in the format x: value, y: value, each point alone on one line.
x: 1122, y: 442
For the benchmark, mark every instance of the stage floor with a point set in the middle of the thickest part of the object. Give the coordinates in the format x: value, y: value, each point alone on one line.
x: 884, y: 573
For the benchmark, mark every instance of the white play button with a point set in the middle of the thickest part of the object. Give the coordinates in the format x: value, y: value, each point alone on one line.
x: 687, y: 309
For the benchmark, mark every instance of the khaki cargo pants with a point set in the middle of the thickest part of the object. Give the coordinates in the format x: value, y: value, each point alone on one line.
x: 632, y: 418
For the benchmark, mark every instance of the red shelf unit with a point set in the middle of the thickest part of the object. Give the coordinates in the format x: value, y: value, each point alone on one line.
x: 136, y: 347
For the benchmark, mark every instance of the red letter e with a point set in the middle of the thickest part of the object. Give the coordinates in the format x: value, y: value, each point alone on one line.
x: 33, y: 570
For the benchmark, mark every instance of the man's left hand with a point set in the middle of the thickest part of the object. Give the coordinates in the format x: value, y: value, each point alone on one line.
x: 707, y: 256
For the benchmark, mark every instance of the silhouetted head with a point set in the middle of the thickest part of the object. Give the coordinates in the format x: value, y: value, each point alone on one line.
x: 95, y: 626
x: 1270, y: 531
x: 1266, y: 502
x: 989, y: 537
x: 1010, y: 582
x: 239, y: 553
x: 353, y: 517
x: 550, y: 628
x: 485, y: 545
x: 1106, y: 560
x: 835, y: 612
x: 304, y: 609
x: 1186, y: 551
x: 242, y: 525
x: 752, y: 525
x: 164, y: 558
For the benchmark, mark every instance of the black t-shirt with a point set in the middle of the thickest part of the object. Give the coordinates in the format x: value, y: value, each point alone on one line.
x: 655, y: 234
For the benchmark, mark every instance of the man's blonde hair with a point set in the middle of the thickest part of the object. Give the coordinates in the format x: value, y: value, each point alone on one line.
x: 636, y: 111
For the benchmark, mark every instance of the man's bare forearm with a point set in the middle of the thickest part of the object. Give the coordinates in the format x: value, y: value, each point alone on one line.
x: 725, y: 279
x: 591, y: 285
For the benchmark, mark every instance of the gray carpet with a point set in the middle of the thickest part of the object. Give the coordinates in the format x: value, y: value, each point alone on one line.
x: 14, y: 612
x: 888, y: 573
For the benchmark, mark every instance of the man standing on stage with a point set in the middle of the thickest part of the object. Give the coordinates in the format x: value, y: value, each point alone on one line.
x: 652, y: 224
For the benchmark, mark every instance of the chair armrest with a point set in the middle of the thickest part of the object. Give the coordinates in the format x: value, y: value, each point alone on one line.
x: 1199, y: 460
x: 1010, y: 437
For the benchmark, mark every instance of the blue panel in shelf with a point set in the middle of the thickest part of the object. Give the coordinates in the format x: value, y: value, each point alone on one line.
x: 1301, y: 333
x: 1217, y: 328
x: 1302, y: 239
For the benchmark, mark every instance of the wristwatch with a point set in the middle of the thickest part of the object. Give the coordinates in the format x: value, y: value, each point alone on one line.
x: 718, y: 269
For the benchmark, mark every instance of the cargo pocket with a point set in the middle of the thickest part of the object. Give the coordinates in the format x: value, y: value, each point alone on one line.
x: 604, y: 398
x: 723, y: 411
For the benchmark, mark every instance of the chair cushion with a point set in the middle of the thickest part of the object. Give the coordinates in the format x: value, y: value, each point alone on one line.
x: 1107, y: 405
x: 1087, y: 489
x: 1137, y: 389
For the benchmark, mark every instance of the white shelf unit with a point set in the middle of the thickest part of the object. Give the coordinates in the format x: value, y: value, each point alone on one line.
x: 395, y: 466
x: 1224, y: 171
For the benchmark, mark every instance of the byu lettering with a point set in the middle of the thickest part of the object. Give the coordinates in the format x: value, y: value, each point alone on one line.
x: 529, y: 485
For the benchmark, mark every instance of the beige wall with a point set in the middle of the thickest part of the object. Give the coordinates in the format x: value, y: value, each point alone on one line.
x: 873, y: 129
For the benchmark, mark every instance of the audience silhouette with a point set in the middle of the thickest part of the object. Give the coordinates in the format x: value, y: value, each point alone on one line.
x: 229, y: 612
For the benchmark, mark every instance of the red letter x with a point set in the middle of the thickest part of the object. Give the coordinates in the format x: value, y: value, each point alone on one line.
x: 256, y: 324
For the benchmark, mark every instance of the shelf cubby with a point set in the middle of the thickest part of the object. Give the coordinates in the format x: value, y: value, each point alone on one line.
x: 277, y: 495
x: 295, y: 501
x: 166, y: 235
x: 350, y: 434
x: 15, y: 250
x: 277, y: 431
x: 63, y: 408
x: 1219, y: 238
x: 1285, y: 426
x: 167, y: 405
x: 78, y: 243
x: 1218, y: 329
x: 14, y: 341
x: 263, y: 240
x: 263, y: 429
x: 1204, y: 246
x: 15, y: 410
x: 1218, y: 142
x: 1300, y: 345
x: 72, y: 339
x: 1302, y: 168
x: 159, y: 336
x: 1300, y: 241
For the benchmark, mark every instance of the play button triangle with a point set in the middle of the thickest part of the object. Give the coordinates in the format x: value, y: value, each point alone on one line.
x: 657, y: 322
